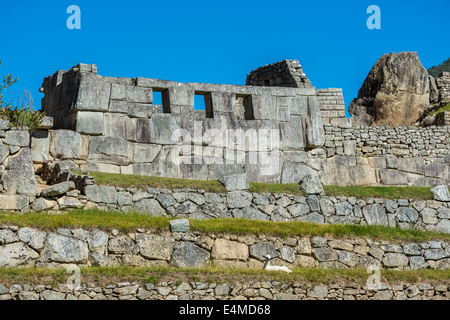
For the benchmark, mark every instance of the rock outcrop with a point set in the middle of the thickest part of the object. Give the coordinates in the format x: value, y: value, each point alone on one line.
x: 395, y: 93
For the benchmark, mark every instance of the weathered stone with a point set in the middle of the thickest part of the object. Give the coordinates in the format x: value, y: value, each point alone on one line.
x: 20, y: 138
x: 298, y: 209
x: 304, y: 246
x: 417, y: 263
x: 313, y: 217
x: 405, y: 214
x: 42, y: 204
x: 90, y: 123
x: 344, y: 209
x: 110, y: 150
x: 229, y: 250
x: 122, y: 244
x: 443, y: 226
x: 40, y: 146
x: 395, y: 260
x: 411, y: 249
x: 19, y: 176
x: 52, y: 295
x: 325, y: 254
x: 261, y: 249
x: 318, y: 291
x: 441, y: 193
x: 63, y: 249
x: 435, y: 254
x: 179, y: 225
x: 101, y: 194
x: 250, y: 213
x: 166, y: 200
x: 33, y: 238
x: 7, y: 236
x: 69, y: 203
x: 66, y: 144
x: 310, y: 184
x: 98, y: 241
x: 287, y: 253
x: 429, y: 216
x: 58, y: 189
x: 383, y: 295
x: 13, y: 202
x: 145, y: 153
x: 235, y: 182
x: 189, y: 255
x: 238, y: 199
x: 396, y: 92
x: 155, y: 247
x: 375, y: 214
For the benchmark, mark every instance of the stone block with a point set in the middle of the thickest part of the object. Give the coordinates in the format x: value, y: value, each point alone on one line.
x: 90, y: 123
x: 20, y: 138
x: 179, y: 225
x: 40, y: 146
x: 375, y: 214
x: 229, y: 250
x: 155, y: 246
x: 13, y: 202
x: 93, y: 94
x: 101, y: 194
x: 235, y: 182
x: 110, y: 150
x: 66, y: 144
x: 118, y: 106
x: 17, y: 254
x: 145, y: 153
x: 118, y: 92
x: 19, y: 177
x: 120, y: 126
x: 393, y: 177
x: 189, y: 255
x: 160, y: 129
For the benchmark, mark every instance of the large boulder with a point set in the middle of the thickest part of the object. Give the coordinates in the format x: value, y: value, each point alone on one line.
x: 395, y: 93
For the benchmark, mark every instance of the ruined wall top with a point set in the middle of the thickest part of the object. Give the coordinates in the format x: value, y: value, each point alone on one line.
x: 286, y: 73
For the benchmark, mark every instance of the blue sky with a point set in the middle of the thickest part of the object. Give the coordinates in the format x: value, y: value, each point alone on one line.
x: 217, y: 41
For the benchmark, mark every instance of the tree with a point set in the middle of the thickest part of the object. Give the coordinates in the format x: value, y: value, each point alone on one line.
x: 8, y: 81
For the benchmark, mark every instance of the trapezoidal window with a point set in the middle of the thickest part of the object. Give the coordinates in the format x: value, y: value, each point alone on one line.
x: 244, y: 107
x: 203, y: 101
x: 161, y: 99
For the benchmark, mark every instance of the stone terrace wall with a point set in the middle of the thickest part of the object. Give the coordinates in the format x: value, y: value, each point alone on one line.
x: 120, y: 130
x: 29, y: 247
x: 443, y: 85
x: 286, y: 73
x: 407, y: 156
x: 239, y: 290
x: 332, y: 107
x: 196, y: 204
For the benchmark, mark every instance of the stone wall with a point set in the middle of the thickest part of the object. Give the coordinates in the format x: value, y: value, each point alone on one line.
x: 286, y: 73
x: 30, y: 247
x: 428, y: 215
x: 17, y: 180
x: 116, y: 128
x: 332, y: 107
x: 443, y: 85
x: 407, y: 156
x: 238, y: 290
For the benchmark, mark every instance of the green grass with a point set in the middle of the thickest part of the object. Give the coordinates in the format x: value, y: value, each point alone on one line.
x: 130, y: 180
x: 92, y: 219
x: 124, y: 180
x: 443, y: 109
x: 416, y: 193
x: 154, y: 275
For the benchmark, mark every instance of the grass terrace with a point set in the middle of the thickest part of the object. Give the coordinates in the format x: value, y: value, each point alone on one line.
x: 211, y: 274
x: 91, y: 219
x: 125, y: 180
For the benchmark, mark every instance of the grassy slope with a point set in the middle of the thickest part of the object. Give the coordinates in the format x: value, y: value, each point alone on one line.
x: 111, y: 275
x: 123, y: 180
x: 92, y: 219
